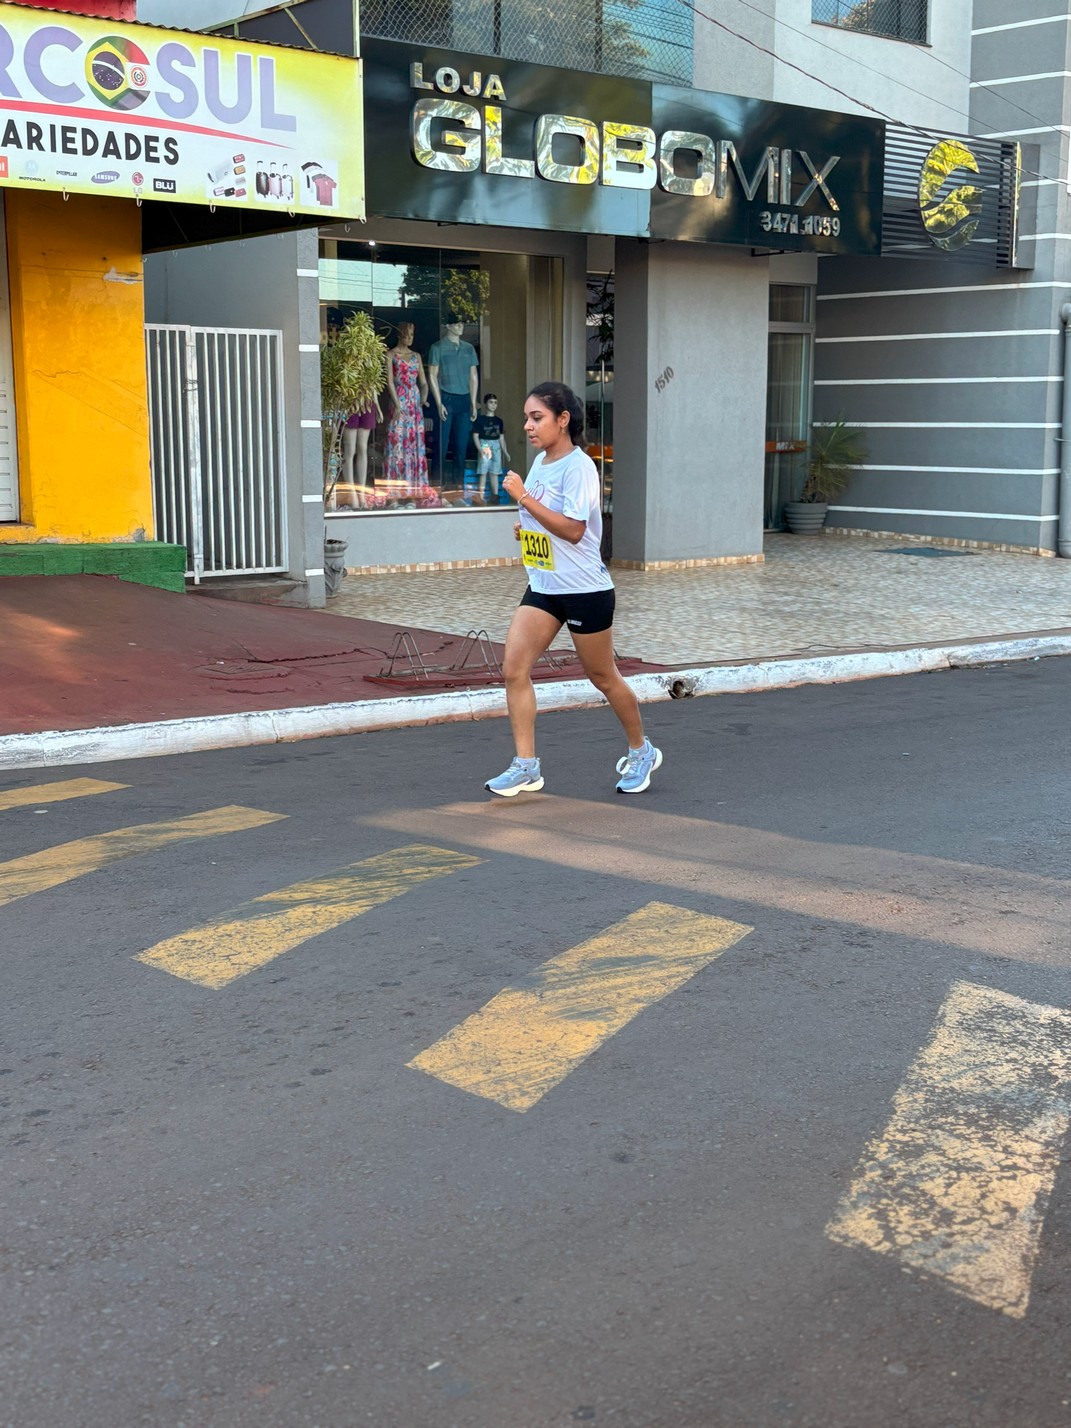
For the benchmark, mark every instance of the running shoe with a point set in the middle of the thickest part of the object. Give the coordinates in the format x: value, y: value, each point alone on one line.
x: 522, y: 776
x: 637, y: 767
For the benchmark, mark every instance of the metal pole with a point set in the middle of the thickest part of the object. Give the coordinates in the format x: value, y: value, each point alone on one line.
x: 1064, y: 528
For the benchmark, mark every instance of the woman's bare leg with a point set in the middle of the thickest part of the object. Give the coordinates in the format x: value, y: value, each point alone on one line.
x: 596, y: 654
x: 530, y: 633
x: 361, y: 462
x: 345, y: 492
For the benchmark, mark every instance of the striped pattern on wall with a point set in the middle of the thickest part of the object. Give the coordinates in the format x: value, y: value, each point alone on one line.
x: 955, y: 372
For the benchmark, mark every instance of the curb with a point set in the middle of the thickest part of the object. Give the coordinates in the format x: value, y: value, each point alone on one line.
x: 276, y: 726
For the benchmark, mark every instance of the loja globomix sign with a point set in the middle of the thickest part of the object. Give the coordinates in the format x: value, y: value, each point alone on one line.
x: 462, y: 139
x: 91, y: 106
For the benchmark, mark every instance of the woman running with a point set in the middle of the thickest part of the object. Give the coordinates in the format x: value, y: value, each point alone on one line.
x: 560, y: 531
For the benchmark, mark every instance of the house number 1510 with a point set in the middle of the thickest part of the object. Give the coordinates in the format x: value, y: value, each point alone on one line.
x: 663, y: 379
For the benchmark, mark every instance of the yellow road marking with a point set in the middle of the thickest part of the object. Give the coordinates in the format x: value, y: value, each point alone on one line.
x: 958, y: 1184
x: 528, y: 1038
x: 56, y: 792
x: 37, y: 872
x: 257, y: 932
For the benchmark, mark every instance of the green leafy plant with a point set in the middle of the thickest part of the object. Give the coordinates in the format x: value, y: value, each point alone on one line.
x: 601, y: 315
x: 466, y: 292
x: 353, y: 372
x: 836, y: 450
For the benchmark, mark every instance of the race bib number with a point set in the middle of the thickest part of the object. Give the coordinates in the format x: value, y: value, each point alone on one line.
x: 536, y: 550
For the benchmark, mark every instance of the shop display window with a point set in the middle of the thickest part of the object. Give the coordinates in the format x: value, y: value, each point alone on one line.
x: 459, y: 326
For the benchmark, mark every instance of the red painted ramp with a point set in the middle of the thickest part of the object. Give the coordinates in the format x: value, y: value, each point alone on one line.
x: 78, y: 651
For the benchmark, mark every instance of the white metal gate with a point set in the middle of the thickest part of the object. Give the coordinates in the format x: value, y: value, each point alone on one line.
x: 218, y: 468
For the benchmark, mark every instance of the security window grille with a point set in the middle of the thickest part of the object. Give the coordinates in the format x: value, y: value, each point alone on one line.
x: 893, y: 19
x: 644, y: 39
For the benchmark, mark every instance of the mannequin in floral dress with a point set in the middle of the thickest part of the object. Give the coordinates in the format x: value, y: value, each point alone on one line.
x: 406, y: 460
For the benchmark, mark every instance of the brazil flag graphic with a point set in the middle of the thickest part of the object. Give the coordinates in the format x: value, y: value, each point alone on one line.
x: 118, y: 72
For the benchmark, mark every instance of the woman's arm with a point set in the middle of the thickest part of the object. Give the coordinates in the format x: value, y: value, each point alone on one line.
x: 422, y: 379
x: 390, y: 381
x: 564, y: 527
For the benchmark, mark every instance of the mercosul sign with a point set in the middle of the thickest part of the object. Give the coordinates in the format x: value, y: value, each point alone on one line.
x: 160, y: 114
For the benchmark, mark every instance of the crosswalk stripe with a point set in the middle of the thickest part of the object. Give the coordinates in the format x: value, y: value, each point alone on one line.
x: 36, y: 872
x: 55, y: 792
x: 958, y: 1184
x: 257, y: 932
x: 529, y: 1037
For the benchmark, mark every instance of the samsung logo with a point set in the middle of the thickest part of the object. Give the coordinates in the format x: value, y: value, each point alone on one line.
x: 106, y: 176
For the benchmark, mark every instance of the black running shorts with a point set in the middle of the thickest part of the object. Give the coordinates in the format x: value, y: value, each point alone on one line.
x: 585, y: 613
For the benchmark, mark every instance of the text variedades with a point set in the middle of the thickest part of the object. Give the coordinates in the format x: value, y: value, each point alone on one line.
x: 78, y: 141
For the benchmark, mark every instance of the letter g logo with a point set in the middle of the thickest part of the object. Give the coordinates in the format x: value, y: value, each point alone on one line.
x: 951, y: 218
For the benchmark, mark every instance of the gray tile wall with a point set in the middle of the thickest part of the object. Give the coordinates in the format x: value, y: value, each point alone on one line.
x: 954, y: 371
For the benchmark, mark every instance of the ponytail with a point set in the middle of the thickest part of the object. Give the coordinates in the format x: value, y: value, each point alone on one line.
x: 562, y: 399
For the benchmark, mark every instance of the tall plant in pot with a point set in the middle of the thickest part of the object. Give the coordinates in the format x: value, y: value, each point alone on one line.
x: 353, y: 368
x: 836, y: 451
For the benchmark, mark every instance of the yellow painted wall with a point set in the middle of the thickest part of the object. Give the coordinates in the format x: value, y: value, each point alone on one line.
x: 78, y: 339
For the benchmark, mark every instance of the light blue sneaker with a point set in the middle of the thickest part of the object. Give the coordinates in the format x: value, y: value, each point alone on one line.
x: 637, y: 767
x: 522, y: 776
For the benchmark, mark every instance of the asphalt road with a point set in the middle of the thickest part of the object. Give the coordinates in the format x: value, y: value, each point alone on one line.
x: 786, y: 1150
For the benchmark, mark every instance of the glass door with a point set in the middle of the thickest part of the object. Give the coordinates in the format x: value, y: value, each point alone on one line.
x: 788, y: 398
x: 599, y: 393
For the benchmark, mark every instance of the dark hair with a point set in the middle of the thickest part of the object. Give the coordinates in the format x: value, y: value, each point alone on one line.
x: 560, y: 399
x: 490, y: 397
x: 452, y: 319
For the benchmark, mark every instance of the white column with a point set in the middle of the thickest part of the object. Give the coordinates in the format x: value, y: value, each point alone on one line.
x: 9, y: 459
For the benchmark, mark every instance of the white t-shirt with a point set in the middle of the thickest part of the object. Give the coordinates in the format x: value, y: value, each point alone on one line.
x: 569, y: 485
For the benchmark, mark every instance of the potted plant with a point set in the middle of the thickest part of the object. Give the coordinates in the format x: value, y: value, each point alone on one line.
x: 353, y: 365
x: 836, y: 450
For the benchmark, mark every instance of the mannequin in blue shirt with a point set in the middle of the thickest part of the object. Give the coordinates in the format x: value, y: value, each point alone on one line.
x: 454, y: 377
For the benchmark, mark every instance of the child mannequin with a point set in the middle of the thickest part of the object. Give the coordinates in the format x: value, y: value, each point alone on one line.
x: 489, y: 438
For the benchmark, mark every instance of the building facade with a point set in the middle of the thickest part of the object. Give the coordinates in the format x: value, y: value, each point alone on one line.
x: 111, y: 134
x: 956, y: 373
x: 711, y: 296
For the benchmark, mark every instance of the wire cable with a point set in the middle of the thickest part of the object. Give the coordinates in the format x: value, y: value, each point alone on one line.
x: 862, y: 64
x: 835, y: 89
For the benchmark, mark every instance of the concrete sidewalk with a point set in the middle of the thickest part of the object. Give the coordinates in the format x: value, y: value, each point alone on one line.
x: 93, y: 669
x: 813, y: 595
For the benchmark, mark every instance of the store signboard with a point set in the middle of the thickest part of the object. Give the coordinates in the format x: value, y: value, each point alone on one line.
x: 459, y: 139
x: 96, y: 106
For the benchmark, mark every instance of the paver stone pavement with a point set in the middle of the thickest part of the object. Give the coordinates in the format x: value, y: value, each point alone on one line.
x: 80, y: 652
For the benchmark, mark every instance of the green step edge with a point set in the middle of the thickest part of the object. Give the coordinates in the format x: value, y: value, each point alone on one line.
x: 146, y: 562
